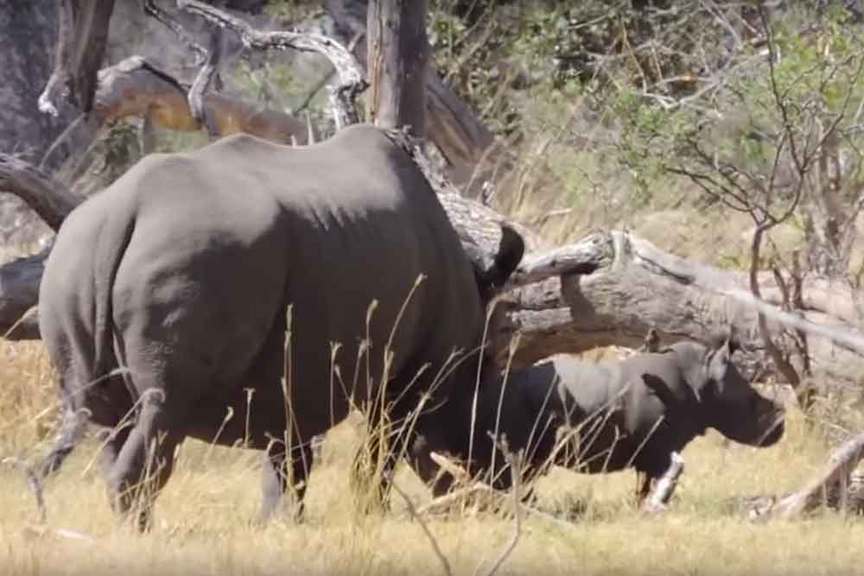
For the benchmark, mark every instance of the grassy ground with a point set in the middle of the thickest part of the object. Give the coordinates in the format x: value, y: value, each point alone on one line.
x: 203, y: 516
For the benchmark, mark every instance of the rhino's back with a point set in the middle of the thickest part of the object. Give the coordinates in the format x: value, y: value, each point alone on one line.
x: 364, y: 225
x: 592, y: 386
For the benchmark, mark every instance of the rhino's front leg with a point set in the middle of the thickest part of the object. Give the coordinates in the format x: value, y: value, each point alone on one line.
x: 277, y: 479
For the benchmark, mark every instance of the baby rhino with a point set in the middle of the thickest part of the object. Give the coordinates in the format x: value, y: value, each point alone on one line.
x: 609, y: 416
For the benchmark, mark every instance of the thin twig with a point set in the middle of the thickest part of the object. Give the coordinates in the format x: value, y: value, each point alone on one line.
x: 412, y: 510
x: 351, y: 79
x: 154, y: 11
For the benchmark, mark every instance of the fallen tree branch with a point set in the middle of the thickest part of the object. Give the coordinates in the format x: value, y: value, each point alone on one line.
x: 350, y: 74
x: 612, y: 287
x: 136, y: 88
x: 832, y: 480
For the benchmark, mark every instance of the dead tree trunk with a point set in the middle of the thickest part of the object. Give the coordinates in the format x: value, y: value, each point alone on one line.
x: 397, y: 54
x: 83, y: 36
x: 464, y: 141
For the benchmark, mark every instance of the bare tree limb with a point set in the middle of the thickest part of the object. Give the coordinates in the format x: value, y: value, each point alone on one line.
x: 202, y: 83
x: 49, y: 198
x: 467, y: 145
x: 351, y: 81
x: 397, y: 57
x: 154, y: 11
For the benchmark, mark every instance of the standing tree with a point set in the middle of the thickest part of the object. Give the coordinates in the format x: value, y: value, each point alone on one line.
x: 397, y: 56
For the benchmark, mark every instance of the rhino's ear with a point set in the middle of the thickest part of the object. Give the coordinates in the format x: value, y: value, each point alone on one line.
x: 510, y: 252
x: 725, y: 341
x: 491, y: 278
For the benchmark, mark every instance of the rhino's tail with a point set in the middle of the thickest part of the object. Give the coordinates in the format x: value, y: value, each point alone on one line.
x: 111, y: 245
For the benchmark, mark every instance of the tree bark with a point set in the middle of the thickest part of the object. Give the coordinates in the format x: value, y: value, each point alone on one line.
x: 464, y: 141
x: 398, y: 53
x: 83, y: 35
x: 611, y: 288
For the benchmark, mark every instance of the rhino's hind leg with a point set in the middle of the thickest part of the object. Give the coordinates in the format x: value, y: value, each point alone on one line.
x: 277, y: 478
x: 144, y: 462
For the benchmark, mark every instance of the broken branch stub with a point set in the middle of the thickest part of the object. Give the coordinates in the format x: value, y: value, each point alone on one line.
x: 351, y: 80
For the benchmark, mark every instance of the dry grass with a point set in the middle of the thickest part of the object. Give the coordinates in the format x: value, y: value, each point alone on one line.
x: 203, y: 517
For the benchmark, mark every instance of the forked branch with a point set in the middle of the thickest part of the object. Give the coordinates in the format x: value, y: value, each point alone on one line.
x: 350, y: 75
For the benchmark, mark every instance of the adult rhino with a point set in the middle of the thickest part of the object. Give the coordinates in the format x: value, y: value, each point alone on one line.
x: 180, y: 274
x: 608, y: 416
